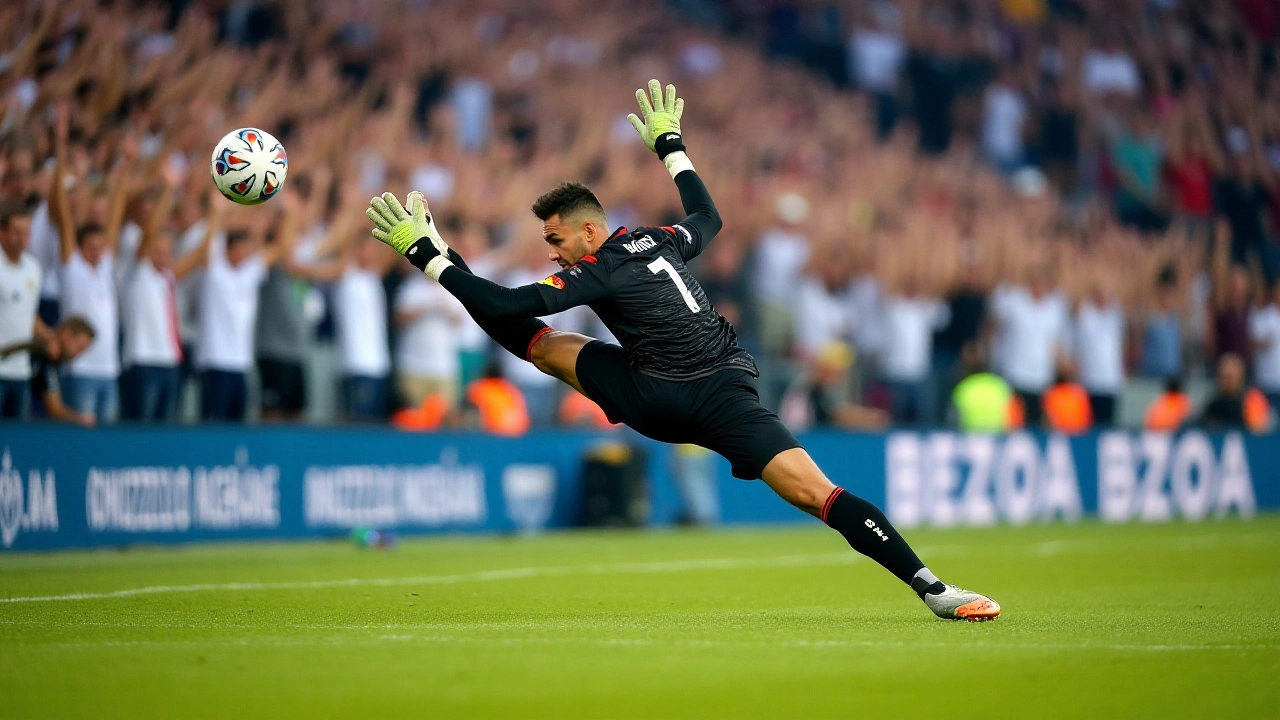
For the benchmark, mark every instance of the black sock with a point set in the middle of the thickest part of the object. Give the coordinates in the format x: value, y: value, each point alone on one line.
x: 869, y: 532
x: 516, y: 335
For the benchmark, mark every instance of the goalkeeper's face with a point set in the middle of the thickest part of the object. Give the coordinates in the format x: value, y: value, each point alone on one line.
x: 571, y: 239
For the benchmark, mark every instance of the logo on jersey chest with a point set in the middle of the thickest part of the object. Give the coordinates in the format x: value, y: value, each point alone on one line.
x: 640, y: 244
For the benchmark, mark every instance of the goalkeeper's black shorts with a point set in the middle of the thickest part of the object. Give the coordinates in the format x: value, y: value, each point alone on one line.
x: 721, y: 412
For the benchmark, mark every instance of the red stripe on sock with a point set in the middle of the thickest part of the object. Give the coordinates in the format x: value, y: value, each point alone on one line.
x: 826, y: 507
x: 528, y: 353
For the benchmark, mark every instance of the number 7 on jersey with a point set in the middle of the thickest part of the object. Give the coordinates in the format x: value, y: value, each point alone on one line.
x: 662, y: 265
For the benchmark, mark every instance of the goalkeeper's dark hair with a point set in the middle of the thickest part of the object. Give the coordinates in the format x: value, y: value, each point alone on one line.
x: 567, y: 199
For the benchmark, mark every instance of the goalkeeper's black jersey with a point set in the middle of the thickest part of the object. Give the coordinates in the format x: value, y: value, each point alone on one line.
x: 638, y: 284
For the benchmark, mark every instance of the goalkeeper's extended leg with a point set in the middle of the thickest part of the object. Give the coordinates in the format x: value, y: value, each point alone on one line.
x: 798, y: 480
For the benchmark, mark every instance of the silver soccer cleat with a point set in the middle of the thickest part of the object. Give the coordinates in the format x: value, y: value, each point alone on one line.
x: 959, y: 604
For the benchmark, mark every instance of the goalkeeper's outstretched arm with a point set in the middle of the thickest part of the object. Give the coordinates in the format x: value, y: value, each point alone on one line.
x: 659, y: 128
x: 412, y: 233
x: 703, y: 221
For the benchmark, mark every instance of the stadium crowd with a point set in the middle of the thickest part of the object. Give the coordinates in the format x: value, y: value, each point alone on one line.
x: 982, y: 212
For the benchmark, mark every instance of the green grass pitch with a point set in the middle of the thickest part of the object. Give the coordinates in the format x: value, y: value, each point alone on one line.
x: 1159, y: 621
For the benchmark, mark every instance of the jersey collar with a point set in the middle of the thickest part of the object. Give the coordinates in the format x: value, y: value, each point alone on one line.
x: 620, y: 232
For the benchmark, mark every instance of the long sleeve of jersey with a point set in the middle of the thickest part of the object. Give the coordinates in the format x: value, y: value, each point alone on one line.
x: 579, y: 285
x: 491, y: 299
x: 703, y: 221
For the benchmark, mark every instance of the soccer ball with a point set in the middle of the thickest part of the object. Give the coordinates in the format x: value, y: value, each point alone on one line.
x: 249, y: 166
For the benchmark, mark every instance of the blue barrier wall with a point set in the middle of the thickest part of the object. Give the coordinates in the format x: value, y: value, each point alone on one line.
x: 66, y: 487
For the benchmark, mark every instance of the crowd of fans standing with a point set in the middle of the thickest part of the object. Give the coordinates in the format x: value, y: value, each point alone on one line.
x: 1056, y: 196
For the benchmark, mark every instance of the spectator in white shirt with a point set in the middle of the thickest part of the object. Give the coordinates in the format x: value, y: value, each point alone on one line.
x: 1032, y: 322
x: 427, y: 318
x: 19, y: 184
x: 1004, y: 116
x: 910, y: 319
x: 88, y: 284
x: 152, y: 353
x: 1110, y: 69
x: 865, y: 301
x: 472, y: 101
x: 88, y: 290
x: 228, y: 311
x: 19, y: 301
x: 779, y: 261
x: 1099, y: 352
x: 822, y: 315
x: 360, y: 310
x: 1264, y: 329
x: 876, y: 55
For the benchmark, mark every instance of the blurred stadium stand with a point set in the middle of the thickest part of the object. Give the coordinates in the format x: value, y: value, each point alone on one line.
x: 1044, y: 187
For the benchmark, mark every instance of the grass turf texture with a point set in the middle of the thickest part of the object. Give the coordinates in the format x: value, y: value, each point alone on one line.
x: 1161, y: 621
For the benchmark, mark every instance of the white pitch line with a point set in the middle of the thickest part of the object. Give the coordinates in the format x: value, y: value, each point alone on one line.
x: 482, y: 576
x: 676, y: 643
x: 410, y: 632
x: 1054, y: 547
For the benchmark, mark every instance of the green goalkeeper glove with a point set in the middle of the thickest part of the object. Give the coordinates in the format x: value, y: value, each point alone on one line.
x: 412, y: 233
x: 660, y: 128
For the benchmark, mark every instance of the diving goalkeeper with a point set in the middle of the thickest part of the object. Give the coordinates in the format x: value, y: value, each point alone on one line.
x: 678, y: 374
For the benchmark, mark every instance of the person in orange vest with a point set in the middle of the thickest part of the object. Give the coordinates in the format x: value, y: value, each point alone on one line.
x: 1235, y: 405
x: 1257, y: 411
x: 1066, y: 406
x: 1017, y: 413
x: 499, y: 402
x: 427, y: 417
x: 1170, y: 410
